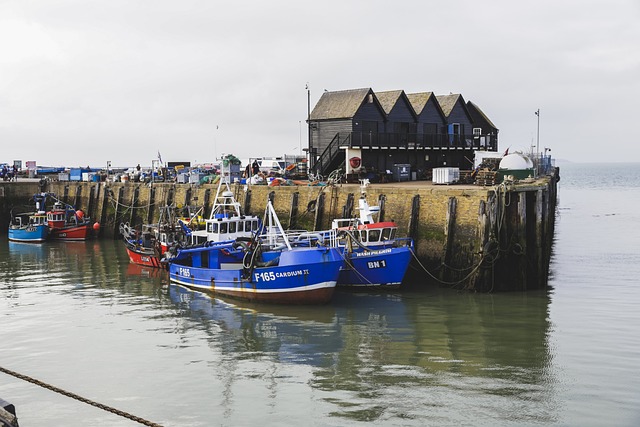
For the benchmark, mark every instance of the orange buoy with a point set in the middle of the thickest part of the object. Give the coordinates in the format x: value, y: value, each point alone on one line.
x: 96, y: 226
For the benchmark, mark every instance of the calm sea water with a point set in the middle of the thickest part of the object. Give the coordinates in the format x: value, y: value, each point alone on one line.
x: 80, y: 317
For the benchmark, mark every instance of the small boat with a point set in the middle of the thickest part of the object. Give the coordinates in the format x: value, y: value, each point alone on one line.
x: 148, y: 245
x: 226, y: 220
x: 261, y: 269
x: 66, y: 223
x: 374, y: 255
x: 29, y: 227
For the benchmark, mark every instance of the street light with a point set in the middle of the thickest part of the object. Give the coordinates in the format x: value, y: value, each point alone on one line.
x: 538, y: 133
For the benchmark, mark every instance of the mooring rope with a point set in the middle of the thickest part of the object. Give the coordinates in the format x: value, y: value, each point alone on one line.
x: 79, y: 398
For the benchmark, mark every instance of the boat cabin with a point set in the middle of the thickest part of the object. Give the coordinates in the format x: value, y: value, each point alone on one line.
x: 225, y: 227
x: 378, y: 234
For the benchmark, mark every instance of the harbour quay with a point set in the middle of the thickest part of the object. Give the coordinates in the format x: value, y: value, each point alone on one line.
x: 468, y: 237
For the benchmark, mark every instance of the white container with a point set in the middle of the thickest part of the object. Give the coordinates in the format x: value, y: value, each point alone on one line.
x: 446, y: 175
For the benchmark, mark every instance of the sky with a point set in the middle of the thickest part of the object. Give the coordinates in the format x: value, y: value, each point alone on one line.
x: 86, y: 82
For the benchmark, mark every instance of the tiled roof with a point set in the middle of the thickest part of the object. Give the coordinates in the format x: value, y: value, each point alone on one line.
x: 339, y: 105
x: 447, y: 102
x: 419, y: 100
x: 388, y: 99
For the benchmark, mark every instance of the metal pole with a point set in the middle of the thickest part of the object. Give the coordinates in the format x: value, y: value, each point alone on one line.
x: 538, y: 144
x: 538, y: 134
x: 311, y: 156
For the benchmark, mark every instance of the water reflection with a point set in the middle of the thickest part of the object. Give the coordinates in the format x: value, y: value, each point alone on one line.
x: 405, y: 356
x: 366, y: 348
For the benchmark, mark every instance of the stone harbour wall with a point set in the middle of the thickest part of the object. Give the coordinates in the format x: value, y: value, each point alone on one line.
x: 466, y: 237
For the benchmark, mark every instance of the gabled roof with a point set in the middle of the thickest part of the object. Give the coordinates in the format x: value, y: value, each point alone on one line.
x: 388, y: 99
x: 473, y: 108
x: 447, y: 102
x: 419, y: 101
x: 341, y: 104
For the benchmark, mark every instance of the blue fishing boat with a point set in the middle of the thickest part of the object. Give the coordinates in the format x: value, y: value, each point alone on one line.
x: 374, y: 255
x: 30, y: 226
x: 261, y: 269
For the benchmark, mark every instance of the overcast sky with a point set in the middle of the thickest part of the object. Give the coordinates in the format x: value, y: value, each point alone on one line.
x: 83, y: 82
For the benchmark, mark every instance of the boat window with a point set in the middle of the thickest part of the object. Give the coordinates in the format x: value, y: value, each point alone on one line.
x: 386, y: 233
x: 232, y: 227
x: 393, y: 233
x: 214, y: 227
x: 223, y: 227
x: 363, y: 235
x: 204, y: 259
x: 254, y: 225
x: 374, y: 235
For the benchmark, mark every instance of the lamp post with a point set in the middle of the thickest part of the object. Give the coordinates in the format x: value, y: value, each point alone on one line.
x: 538, y: 133
x: 538, y: 143
x: 311, y: 159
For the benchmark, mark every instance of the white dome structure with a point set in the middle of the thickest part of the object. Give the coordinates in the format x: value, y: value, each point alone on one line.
x: 515, y: 161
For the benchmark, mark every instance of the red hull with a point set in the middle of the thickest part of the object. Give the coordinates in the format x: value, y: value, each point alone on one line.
x: 144, y: 258
x: 74, y: 232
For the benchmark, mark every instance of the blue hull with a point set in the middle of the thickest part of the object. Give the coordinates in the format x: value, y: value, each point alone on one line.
x: 36, y: 234
x: 382, y: 267
x: 301, y: 276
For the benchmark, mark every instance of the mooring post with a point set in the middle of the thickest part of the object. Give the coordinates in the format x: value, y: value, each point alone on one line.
x: 521, y: 251
x: 151, y: 204
x: 382, y: 200
x: 317, y: 222
x: 450, y: 222
x: 347, y: 209
x: 247, y: 202
x: 133, y: 218
x: 90, y: 202
x: 539, y: 244
x: 293, y: 210
x: 117, y: 216
x: 77, y: 199
x: 205, y: 203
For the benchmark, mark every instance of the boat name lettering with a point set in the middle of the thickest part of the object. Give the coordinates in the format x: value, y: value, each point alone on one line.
x: 377, y: 264
x: 184, y: 272
x: 380, y: 252
x: 268, y: 276
x: 145, y: 259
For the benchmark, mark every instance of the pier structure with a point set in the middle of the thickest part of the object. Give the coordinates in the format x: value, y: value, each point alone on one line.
x: 486, y: 239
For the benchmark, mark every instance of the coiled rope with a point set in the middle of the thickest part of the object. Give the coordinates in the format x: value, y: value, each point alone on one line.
x: 79, y: 398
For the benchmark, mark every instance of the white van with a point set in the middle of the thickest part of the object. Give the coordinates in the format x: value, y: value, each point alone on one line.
x: 272, y: 165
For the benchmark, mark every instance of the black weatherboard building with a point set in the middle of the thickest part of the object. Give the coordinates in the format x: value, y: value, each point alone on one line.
x: 389, y: 128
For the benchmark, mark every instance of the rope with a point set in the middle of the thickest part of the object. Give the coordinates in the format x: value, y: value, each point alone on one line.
x: 80, y: 398
x: 472, y: 272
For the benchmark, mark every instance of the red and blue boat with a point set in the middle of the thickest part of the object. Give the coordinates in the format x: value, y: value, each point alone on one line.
x: 148, y: 245
x: 374, y: 254
x: 66, y: 223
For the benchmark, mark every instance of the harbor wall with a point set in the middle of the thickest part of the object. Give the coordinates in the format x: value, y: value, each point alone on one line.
x: 466, y: 237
